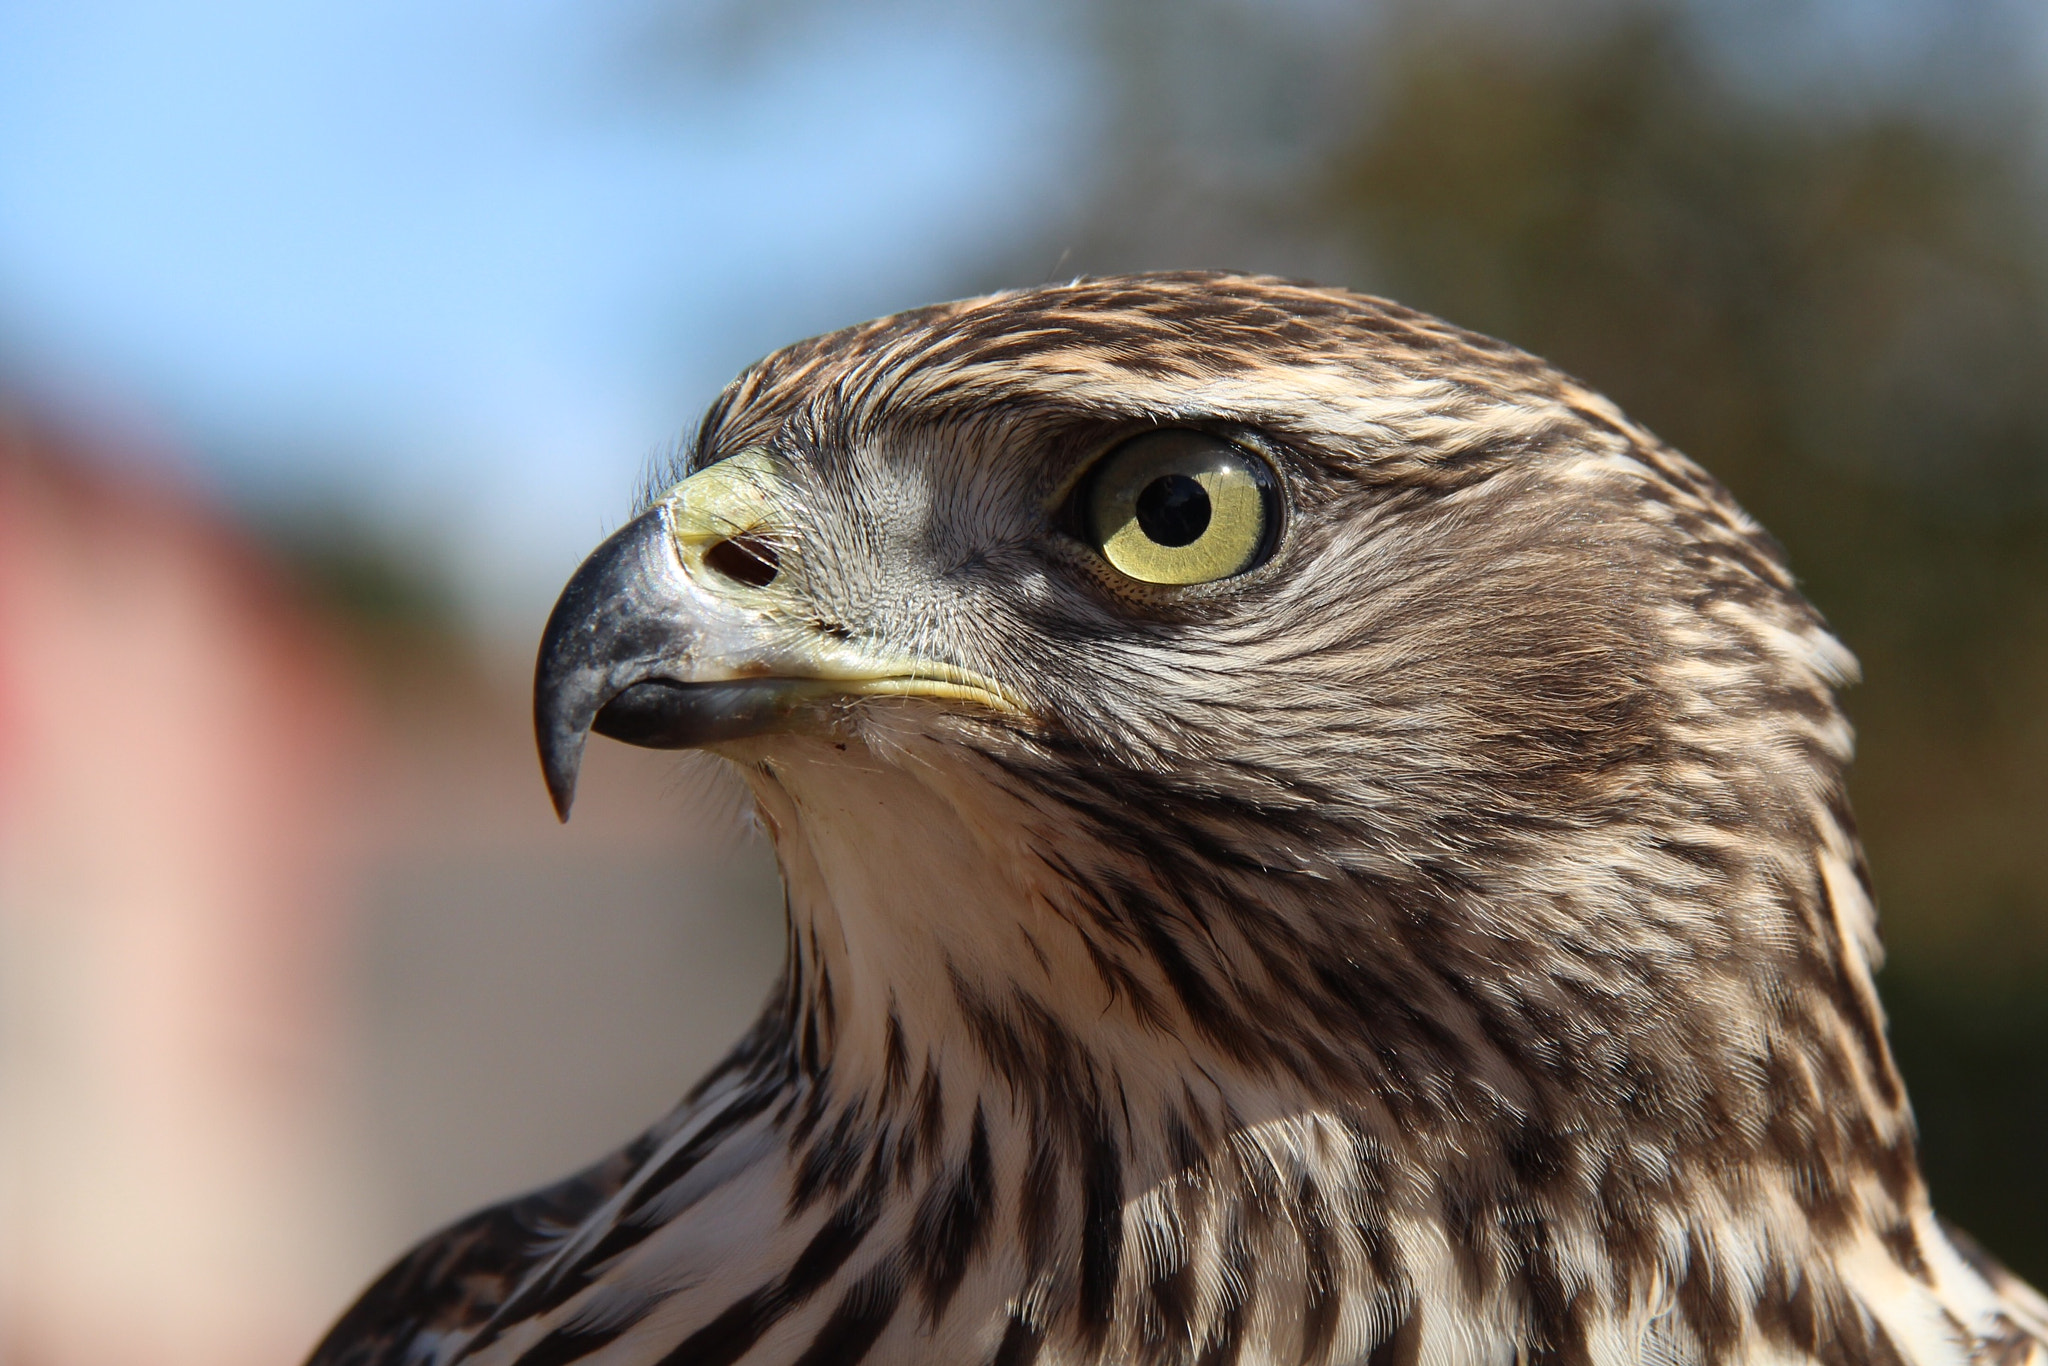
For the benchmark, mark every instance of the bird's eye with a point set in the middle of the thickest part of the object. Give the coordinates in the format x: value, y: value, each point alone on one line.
x: 1180, y: 507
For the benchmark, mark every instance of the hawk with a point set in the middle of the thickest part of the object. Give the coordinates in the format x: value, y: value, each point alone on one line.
x: 1309, y: 837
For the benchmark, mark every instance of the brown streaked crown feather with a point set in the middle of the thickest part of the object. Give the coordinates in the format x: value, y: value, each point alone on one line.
x: 1447, y: 941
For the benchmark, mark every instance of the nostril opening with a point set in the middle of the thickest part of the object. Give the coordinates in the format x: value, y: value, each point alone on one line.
x: 745, y: 558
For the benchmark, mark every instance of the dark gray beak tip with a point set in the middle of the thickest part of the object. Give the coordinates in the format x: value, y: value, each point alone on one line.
x: 597, y: 641
x: 559, y: 764
x: 564, y: 702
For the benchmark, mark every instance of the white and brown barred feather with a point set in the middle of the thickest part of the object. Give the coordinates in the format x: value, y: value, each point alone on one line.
x: 1447, y: 944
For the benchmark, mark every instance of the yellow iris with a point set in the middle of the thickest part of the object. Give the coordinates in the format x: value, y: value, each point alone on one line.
x: 1179, y: 507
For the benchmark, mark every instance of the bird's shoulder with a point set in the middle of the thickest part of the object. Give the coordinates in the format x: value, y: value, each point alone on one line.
x: 2019, y: 1325
x: 451, y: 1283
x: 1922, y: 1294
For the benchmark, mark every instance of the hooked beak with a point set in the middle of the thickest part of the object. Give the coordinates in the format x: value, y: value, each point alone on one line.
x: 655, y: 642
x: 618, y: 653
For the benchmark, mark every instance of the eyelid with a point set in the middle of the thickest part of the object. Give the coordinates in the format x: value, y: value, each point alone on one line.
x: 1061, y: 497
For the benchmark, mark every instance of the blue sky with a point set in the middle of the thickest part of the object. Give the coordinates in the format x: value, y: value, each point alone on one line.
x: 461, y: 266
x: 464, y: 265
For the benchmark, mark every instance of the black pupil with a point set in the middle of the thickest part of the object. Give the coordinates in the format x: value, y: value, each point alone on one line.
x: 1173, y: 510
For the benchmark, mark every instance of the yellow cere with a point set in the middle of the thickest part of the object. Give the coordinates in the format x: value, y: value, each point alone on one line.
x: 723, y: 500
x: 1150, y: 524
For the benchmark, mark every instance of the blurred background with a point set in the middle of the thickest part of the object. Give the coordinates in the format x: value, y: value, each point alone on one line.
x: 332, y: 336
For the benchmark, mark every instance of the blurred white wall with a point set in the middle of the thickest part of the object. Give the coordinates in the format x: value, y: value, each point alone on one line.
x: 295, y: 965
x: 178, y: 782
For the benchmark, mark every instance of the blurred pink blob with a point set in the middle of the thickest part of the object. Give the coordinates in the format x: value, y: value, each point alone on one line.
x: 180, y: 769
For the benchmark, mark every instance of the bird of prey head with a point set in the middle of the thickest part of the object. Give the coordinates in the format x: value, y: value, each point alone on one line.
x: 1310, y: 837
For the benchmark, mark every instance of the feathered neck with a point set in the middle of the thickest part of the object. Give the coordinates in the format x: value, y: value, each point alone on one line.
x: 1151, y: 1100
x: 987, y: 1119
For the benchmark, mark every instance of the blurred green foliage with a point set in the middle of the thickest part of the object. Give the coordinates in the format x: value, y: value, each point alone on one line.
x: 393, y: 605
x: 362, y: 576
